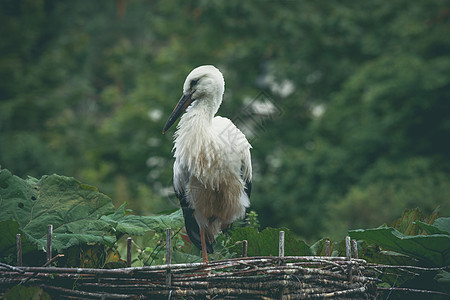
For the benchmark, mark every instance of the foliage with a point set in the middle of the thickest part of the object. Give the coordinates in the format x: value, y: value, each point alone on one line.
x: 85, y: 224
x: 72, y: 208
x: 413, y: 240
x: 428, y: 249
x: 361, y: 88
x: 425, y: 240
x: 388, y: 189
x: 92, y: 234
x: 139, y: 225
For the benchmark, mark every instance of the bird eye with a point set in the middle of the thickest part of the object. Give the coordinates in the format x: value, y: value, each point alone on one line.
x: 193, y: 83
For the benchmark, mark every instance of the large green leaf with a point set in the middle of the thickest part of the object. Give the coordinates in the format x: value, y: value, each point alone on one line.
x: 138, y: 225
x: 80, y: 215
x: 429, y: 249
x: 74, y: 209
x: 266, y: 242
x: 9, y: 230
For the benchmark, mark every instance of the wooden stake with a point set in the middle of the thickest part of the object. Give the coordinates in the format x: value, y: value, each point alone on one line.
x: 244, y: 248
x: 355, y: 249
x: 168, y: 255
x: 327, y: 248
x: 281, y: 245
x: 129, y: 243
x: 19, y: 249
x: 348, y: 251
x: 168, y: 246
x: 49, y: 242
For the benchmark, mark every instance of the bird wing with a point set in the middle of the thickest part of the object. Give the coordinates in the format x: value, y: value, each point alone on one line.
x: 248, y: 188
x: 180, y: 180
x: 235, y: 139
x: 246, y: 171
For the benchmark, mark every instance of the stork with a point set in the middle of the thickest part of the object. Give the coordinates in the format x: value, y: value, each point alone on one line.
x: 212, y: 172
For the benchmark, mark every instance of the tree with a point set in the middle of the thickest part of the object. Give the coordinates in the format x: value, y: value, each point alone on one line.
x: 360, y: 91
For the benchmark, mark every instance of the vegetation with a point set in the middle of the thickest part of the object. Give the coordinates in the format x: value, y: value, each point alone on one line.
x: 360, y: 93
x: 90, y: 233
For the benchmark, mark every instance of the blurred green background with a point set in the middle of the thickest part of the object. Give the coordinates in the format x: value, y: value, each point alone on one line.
x: 353, y: 124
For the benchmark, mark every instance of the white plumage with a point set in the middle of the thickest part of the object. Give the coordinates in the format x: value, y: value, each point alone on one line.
x: 212, y: 170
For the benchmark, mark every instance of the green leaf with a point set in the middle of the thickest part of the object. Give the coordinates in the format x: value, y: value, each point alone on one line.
x: 138, y: 225
x: 74, y: 210
x: 9, y: 231
x: 443, y: 224
x: 429, y: 249
x: 430, y: 229
x: 373, y: 253
x: 266, y: 242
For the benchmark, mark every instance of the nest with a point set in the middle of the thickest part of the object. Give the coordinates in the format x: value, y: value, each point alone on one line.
x: 289, y: 277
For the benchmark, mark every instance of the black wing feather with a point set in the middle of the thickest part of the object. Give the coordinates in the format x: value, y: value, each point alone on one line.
x: 192, y: 228
x: 248, y: 188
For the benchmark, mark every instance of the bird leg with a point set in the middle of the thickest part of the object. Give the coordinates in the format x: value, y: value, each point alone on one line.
x: 204, y: 253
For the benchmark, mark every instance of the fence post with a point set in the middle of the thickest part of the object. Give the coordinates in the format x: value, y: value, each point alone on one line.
x: 129, y: 243
x: 355, y: 249
x: 327, y: 248
x: 348, y: 250
x: 281, y: 245
x: 244, y: 248
x: 168, y: 255
x: 49, y: 242
x: 19, y: 249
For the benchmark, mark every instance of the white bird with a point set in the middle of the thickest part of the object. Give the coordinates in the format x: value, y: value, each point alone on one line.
x: 212, y: 172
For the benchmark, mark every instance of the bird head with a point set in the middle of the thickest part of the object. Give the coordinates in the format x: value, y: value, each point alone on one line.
x: 204, y: 86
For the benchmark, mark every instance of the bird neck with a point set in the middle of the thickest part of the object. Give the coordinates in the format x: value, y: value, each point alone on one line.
x: 196, y: 119
x: 201, y: 113
x: 194, y: 128
x: 195, y: 139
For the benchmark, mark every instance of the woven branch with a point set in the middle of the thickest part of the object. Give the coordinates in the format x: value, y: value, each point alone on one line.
x: 251, y: 278
x: 290, y: 277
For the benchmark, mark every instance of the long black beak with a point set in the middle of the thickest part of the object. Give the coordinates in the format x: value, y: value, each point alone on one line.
x: 184, y: 102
